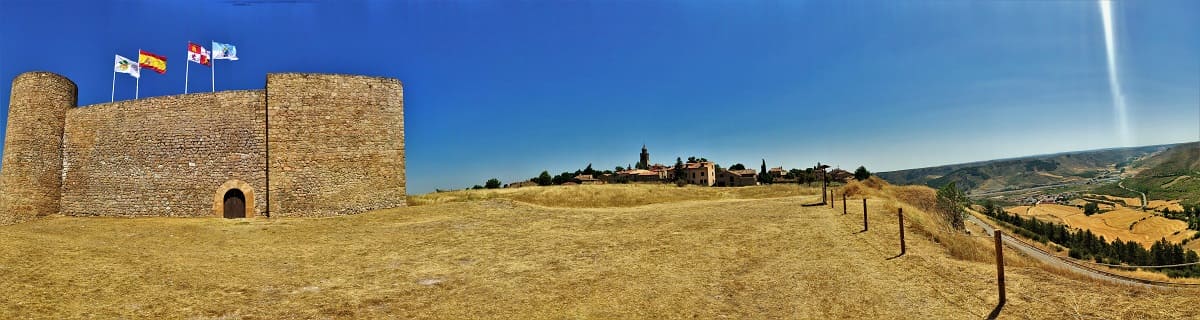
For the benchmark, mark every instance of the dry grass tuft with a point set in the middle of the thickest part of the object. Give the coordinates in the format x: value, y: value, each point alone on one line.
x: 919, y: 203
x: 872, y: 185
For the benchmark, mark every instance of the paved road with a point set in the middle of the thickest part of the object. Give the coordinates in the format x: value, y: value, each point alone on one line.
x: 1061, y: 263
x: 1122, y: 185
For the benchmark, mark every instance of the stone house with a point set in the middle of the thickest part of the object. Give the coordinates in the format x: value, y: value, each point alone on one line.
x: 776, y: 172
x: 521, y: 184
x: 587, y: 179
x: 700, y: 173
x: 737, y: 178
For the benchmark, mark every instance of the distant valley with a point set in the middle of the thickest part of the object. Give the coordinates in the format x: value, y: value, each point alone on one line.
x: 1163, y: 171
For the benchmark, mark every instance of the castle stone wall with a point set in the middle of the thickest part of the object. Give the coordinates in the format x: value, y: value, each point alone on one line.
x: 307, y: 145
x: 29, y: 182
x: 335, y: 143
x: 163, y: 156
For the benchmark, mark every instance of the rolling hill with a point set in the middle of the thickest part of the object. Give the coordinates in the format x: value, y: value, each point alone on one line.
x: 1032, y: 171
x: 1173, y: 174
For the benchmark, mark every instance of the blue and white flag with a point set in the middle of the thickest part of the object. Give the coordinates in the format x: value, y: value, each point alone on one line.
x: 224, y: 51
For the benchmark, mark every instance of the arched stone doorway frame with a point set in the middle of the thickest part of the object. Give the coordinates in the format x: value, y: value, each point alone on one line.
x: 219, y: 197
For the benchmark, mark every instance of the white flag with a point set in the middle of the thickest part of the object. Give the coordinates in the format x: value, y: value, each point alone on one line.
x: 124, y: 65
x: 224, y: 51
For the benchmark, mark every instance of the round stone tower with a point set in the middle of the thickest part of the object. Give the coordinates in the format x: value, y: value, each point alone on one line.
x: 30, y: 177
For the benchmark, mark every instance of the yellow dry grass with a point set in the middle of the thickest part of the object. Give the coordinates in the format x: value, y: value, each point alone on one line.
x: 1172, y: 205
x: 498, y: 258
x: 1125, y: 201
x: 1124, y: 223
x: 613, y: 195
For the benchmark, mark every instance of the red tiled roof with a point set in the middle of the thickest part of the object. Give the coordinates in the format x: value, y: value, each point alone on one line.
x: 747, y: 172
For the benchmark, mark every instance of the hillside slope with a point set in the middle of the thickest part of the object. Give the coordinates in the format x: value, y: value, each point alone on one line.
x: 1025, y: 172
x: 730, y: 258
x: 1173, y: 174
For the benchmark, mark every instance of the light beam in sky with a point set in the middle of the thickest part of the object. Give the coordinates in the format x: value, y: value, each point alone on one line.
x: 1114, y: 82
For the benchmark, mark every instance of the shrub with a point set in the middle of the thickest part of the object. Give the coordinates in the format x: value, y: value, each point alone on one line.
x: 861, y: 173
x: 950, y: 203
x: 1091, y: 208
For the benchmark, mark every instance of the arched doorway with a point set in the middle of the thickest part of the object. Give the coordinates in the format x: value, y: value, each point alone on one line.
x: 230, y: 190
x: 235, y: 204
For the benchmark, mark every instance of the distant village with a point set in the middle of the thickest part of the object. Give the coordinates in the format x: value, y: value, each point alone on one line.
x: 695, y: 171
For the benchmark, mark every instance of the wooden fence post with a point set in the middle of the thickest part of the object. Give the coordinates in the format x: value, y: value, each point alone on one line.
x: 864, y: 214
x: 901, y: 215
x: 843, y: 203
x: 832, y: 199
x: 1000, y: 265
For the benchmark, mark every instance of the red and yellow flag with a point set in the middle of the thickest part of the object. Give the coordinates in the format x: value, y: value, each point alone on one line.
x: 198, y: 54
x: 152, y: 61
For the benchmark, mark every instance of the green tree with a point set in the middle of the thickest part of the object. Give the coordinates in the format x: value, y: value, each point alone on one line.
x: 795, y: 173
x: 737, y: 166
x: 544, y: 179
x: 1091, y: 208
x: 477, y: 187
x: 619, y: 168
x: 563, y: 178
x: 492, y: 183
x: 589, y: 170
x: 763, y: 177
x: 678, y: 172
x: 861, y: 173
x: 950, y: 204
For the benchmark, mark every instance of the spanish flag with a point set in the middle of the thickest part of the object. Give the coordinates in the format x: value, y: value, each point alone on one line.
x: 152, y: 61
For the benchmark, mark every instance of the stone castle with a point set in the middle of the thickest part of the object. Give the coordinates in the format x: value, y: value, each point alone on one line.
x: 305, y: 145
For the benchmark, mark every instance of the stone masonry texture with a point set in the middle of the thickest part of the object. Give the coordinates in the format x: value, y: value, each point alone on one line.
x: 318, y: 144
x: 32, y: 167
x: 162, y: 156
x: 335, y: 143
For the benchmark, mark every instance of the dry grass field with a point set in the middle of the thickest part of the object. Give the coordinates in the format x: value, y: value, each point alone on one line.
x: 1172, y: 205
x: 724, y: 253
x: 1123, y: 223
x: 1125, y: 201
x: 611, y: 195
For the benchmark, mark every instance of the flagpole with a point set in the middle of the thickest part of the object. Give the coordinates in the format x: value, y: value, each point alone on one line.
x: 113, y: 96
x: 137, y: 84
x: 213, y: 69
x: 185, y: 75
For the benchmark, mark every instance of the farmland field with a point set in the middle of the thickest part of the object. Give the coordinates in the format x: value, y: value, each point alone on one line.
x: 1123, y: 223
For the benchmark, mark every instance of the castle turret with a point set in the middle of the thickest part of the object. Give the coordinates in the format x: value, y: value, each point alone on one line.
x: 30, y: 177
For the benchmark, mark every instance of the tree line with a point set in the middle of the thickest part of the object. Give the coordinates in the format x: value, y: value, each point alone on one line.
x: 802, y: 176
x: 1190, y: 214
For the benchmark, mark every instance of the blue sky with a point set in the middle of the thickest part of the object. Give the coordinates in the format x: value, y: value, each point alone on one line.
x: 508, y: 89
